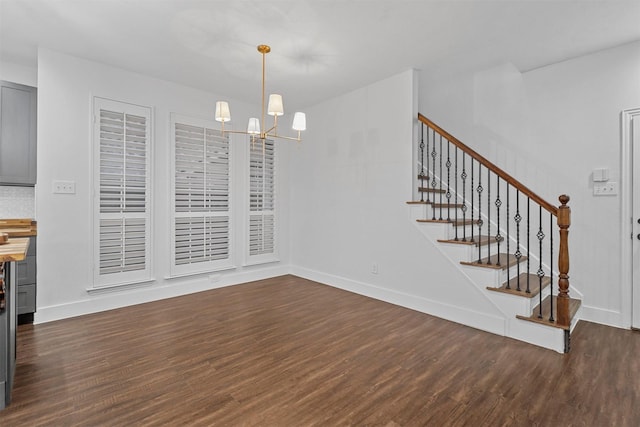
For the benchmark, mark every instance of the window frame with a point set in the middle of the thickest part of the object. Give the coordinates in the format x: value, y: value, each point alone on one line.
x: 123, y: 278
x: 203, y: 267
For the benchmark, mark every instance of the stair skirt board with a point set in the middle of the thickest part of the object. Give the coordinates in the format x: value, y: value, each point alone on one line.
x: 517, y: 307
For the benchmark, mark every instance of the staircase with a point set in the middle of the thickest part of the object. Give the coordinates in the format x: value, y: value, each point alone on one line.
x: 504, y: 238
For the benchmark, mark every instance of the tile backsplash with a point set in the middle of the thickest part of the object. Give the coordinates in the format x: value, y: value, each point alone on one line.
x: 17, y: 202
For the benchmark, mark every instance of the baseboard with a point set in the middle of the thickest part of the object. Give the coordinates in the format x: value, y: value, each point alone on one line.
x: 169, y: 289
x: 603, y: 316
x: 482, y: 321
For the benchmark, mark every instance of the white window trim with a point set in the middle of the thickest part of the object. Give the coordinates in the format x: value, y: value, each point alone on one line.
x: 269, y: 257
x: 176, y: 271
x: 132, y: 277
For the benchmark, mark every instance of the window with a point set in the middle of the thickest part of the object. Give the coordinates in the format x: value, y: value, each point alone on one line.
x: 122, y: 224
x: 200, y: 195
x: 262, y: 247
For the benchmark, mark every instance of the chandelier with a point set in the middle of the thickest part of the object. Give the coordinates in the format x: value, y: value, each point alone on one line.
x: 275, y: 108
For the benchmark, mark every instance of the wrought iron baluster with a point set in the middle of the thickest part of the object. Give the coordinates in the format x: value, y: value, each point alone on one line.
x: 518, y: 254
x: 464, y: 198
x: 489, y: 216
x: 540, y: 236
x: 479, y: 190
x: 422, y: 161
x: 433, y: 172
x: 551, y: 319
x: 448, y: 194
x: 440, y: 178
x: 498, y: 203
x: 508, y: 237
x: 528, y: 240
x: 455, y: 199
x: 471, y: 189
x: 428, y: 173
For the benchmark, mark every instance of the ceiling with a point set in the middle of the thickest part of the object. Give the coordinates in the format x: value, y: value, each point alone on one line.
x: 320, y: 48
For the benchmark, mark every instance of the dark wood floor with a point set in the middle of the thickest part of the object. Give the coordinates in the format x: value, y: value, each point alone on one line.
x: 290, y: 352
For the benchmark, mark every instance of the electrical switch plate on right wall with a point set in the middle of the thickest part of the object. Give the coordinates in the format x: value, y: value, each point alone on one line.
x: 605, y: 188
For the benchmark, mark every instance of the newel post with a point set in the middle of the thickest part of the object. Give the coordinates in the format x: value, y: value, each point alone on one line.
x: 564, y: 221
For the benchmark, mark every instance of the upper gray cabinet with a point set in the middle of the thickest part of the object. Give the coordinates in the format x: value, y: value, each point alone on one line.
x: 17, y: 134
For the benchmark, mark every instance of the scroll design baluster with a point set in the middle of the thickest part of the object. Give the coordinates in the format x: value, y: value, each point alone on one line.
x: 518, y: 254
x: 528, y: 241
x: 463, y: 175
x: 498, y: 203
x: 471, y: 190
x: 540, y: 271
x: 455, y: 200
x: 440, y: 179
x: 422, y: 175
x: 433, y: 172
x: 448, y: 193
x: 489, y: 216
x: 479, y: 190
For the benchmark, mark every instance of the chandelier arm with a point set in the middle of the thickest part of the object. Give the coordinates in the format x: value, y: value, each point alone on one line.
x: 272, y: 128
x: 285, y: 137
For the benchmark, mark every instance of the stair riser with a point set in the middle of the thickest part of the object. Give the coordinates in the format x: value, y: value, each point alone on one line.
x: 431, y: 211
x: 417, y: 212
x: 536, y: 334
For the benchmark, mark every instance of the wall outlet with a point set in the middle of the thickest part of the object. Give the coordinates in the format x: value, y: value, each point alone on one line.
x: 605, y: 189
x: 374, y: 268
x: 64, y: 187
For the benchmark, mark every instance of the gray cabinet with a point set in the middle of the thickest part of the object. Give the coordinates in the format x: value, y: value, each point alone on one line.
x: 8, y: 323
x: 26, y: 281
x: 17, y: 134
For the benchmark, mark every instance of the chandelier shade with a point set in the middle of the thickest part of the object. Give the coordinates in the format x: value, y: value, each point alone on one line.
x: 275, y: 107
x: 222, y: 112
x: 299, y: 121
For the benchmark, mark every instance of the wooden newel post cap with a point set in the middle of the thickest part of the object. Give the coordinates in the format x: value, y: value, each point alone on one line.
x: 564, y: 213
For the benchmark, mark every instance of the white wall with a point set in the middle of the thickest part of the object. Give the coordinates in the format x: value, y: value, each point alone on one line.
x: 18, y: 73
x: 550, y: 127
x: 66, y: 86
x: 350, y: 181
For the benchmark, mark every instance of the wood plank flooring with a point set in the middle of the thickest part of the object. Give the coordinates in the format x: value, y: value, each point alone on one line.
x: 291, y: 352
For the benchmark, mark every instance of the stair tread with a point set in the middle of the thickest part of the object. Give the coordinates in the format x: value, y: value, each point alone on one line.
x: 477, y: 240
x: 506, y: 260
x: 574, y: 305
x: 425, y: 177
x: 455, y: 223
x: 417, y: 202
x: 534, y: 285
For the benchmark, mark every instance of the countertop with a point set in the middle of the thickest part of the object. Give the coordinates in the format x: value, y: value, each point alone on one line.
x: 15, y: 250
x: 19, y: 227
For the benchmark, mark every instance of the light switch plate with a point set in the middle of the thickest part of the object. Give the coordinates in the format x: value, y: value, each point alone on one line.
x: 64, y: 187
x: 605, y: 189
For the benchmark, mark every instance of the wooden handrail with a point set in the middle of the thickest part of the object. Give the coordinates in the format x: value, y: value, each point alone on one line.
x: 489, y: 165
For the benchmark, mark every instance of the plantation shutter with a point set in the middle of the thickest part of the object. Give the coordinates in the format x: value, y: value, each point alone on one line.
x: 201, y: 209
x: 262, y: 199
x: 122, y: 170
